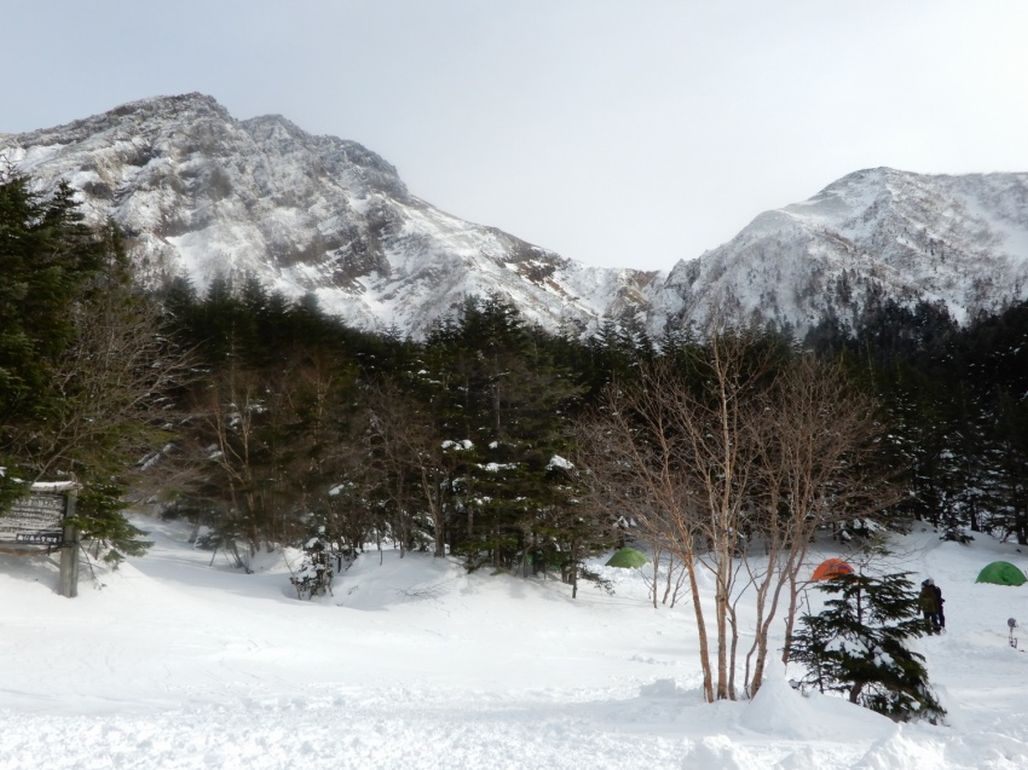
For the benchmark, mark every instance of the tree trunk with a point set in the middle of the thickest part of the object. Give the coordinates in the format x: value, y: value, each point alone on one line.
x: 574, y: 569
x: 855, y: 691
x: 701, y: 630
x: 790, y: 616
x: 734, y: 625
x: 721, y: 619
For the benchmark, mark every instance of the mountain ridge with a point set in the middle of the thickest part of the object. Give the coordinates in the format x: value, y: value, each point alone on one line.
x: 201, y: 193
x: 958, y: 240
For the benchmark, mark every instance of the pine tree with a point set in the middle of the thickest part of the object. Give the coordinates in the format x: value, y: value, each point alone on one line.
x: 499, y: 392
x: 48, y: 259
x: 857, y: 646
x: 84, y: 371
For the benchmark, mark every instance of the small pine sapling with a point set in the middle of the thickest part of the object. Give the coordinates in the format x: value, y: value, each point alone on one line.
x: 857, y: 645
x: 317, y: 570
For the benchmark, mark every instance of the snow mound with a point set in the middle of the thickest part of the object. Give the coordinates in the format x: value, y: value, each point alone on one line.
x: 718, y: 753
x: 779, y: 709
x: 899, y: 751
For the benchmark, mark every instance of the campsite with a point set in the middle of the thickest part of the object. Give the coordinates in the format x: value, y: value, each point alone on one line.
x: 567, y: 385
x: 173, y: 662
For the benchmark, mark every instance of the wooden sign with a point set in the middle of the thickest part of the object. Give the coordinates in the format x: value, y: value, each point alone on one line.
x: 42, y: 519
x: 36, y: 519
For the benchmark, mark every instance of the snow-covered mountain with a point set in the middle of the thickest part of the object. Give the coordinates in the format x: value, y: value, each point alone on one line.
x: 879, y: 233
x: 200, y: 193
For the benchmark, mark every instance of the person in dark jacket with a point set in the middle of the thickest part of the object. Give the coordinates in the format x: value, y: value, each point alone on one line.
x: 941, y: 615
x: 931, y: 605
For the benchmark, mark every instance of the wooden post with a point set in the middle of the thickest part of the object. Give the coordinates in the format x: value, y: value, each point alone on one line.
x: 68, y: 583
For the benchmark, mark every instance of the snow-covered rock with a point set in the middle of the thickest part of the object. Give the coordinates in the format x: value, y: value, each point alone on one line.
x: 202, y: 194
x: 961, y: 241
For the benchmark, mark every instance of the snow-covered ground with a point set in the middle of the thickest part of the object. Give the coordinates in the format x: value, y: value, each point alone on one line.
x: 414, y: 664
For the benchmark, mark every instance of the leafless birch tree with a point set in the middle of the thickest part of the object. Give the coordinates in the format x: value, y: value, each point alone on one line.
x: 734, y: 460
x: 815, y: 449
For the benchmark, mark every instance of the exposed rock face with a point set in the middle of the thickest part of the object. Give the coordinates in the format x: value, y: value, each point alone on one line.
x: 200, y: 193
x: 879, y: 233
x: 203, y: 194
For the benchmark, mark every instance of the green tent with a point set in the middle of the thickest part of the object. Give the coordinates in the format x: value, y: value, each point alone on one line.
x: 1002, y: 573
x: 627, y: 558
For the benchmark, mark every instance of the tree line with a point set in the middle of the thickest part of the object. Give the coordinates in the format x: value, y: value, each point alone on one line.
x: 265, y: 422
x: 956, y: 404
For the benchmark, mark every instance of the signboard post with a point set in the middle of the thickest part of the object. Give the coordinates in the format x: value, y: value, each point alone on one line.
x: 68, y: 582
x: 40, y: 520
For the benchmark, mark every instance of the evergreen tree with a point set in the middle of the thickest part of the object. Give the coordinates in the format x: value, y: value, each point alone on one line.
x: 48, y: 258
x: 84, y: 371
x: 857, y: 645
x: 955, y: 401
x: 502, y: 396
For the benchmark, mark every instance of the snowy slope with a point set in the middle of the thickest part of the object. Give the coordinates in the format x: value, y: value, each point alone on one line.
x: 415, y: 664
x: 961, y: 241
x: 202, y: 194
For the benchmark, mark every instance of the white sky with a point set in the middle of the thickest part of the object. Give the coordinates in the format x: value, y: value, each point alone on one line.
x: 617, y: 132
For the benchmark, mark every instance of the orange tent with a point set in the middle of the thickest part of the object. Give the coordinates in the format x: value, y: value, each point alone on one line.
x: 831, y: 568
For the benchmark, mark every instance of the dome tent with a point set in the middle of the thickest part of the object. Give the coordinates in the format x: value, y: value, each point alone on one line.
x: 831, y: 568
x: 1001, y: 573
x: 627, y: 558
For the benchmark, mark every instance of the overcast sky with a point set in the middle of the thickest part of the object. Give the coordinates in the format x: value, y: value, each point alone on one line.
x: 616, y: 132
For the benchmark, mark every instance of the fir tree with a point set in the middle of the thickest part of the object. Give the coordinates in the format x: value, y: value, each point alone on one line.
x: 498, y: 388
x: 84, y: 371
x: 857, y: 646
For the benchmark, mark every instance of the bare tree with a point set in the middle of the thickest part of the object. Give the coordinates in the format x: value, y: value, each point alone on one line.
x: 728, y: 453
x: 815, y: 447
x: 638, y: 466
x: 109, y: 421
x: 666, y: 575
x: 411, y: 460
x: 715, y: 418
x: 279, y: 442
x: 235, y: 405
x: 113, y: 406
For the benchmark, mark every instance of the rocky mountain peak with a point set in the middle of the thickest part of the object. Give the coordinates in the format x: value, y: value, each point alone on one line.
x: 956, y: 241
x: 137, y: 117
x: 202, y: 194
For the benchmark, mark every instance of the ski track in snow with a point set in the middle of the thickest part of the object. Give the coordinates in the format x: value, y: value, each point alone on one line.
x: 415, y: 664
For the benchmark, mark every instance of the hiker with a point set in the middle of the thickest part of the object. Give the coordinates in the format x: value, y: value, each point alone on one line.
x: 940, y: 615
x: 930, y: 605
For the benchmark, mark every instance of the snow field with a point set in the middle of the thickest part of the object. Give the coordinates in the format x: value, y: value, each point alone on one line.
x: 415, y: 664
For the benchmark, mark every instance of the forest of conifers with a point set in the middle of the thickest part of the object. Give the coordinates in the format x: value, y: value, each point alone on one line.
x: 264, y: 421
